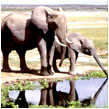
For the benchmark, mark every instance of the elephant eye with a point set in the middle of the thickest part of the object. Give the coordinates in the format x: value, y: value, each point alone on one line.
x: 87, y: 51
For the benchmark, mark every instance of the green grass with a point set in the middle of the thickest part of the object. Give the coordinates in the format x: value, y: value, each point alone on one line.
x: 44, y: 106
x: 91, y: 74
x: 94, y: 74
x: 5, y: 101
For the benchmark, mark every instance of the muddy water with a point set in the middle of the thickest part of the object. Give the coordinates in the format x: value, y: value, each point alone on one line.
x: 94, y: 90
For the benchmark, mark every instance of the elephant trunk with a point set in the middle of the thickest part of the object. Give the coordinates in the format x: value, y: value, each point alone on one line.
x: 95, y: 96
x: 98, y: 61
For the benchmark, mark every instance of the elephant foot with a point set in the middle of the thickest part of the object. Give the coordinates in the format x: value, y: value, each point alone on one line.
x: 6, y: 70
x: 44, y: 71
x: 27, y: 70
x: 50, y: 70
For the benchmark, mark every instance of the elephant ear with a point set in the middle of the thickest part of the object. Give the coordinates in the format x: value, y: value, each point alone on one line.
x: 40, y: 17
x: 76, y: 47
x: 75, y: 41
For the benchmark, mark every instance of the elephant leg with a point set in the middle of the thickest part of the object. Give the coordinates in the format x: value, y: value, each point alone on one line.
x: 50, y: 94
x: 21, y: 100
x: 43, y: 100
x: 72, y: 57
x: 6, y: 67
x: 42, y: 48
x: 72, y: 94
x: 76, y: 53
x: 55, y: 68
x: 50, y: 58
x: 23, y: 65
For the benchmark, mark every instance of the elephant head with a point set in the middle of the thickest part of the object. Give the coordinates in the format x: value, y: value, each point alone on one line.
x: 47, y: 19
x: 82, y: 45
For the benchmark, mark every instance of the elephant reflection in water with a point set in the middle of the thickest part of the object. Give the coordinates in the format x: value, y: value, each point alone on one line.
x: 93, y: 98
x: 50, y: 96
x: 21, y: 100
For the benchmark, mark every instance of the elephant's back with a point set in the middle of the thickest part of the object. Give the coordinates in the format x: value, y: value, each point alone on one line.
x: 19, y: 16
x: 13, y: 18
x: 17, y: 27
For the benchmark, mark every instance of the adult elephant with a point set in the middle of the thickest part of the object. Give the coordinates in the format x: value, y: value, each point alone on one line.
x: 21, y: 32
x: 78, y: 44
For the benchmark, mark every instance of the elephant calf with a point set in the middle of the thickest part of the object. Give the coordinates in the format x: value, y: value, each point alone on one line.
x: 78, y: 44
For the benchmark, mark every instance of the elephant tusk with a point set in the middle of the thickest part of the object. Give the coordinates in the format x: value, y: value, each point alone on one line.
x: 57, y: 40
x: 68, y: 41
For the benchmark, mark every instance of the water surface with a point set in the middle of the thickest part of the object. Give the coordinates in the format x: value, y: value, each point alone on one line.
x: 61, y: 91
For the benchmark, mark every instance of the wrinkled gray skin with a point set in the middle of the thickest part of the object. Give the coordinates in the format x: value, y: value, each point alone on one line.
x: 19, y: 33
x: 79, y: 45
